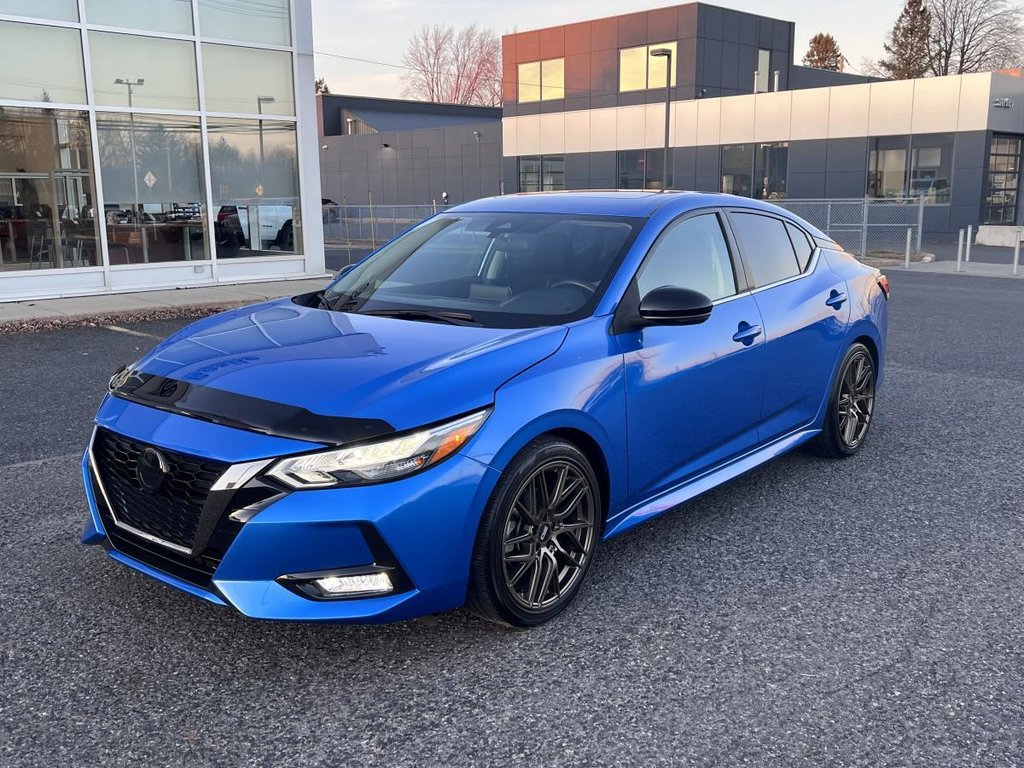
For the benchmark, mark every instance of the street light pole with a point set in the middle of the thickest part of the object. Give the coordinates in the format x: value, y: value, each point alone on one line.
x: 260, y: 101
x: 666, y: 53
x: 131, y: 85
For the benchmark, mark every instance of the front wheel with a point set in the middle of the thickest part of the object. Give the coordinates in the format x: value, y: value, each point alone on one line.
x: 537, y: 537
x: 851, y: 405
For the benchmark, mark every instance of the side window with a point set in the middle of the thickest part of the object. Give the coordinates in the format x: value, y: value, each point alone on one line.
x: 766, y: 247
x: 690, y: 254
x: 801, y: 244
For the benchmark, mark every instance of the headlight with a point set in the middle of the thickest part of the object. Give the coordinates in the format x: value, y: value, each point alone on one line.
x: 376, y: 462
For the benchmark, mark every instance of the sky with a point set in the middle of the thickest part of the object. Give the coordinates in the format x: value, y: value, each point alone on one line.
x: 379, y: 30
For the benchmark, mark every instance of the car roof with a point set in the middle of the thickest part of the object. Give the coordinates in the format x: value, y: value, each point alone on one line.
x: 621, y: 202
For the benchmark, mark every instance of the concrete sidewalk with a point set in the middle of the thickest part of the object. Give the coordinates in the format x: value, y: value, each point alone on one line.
x: 24, y: 315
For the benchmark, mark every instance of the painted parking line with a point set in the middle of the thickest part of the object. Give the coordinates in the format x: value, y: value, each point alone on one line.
x: 130, y: 332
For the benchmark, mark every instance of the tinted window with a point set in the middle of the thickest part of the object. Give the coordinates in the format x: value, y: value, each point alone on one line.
x: 766, y: 247
x: 802, y: 245
x: 690, y: 254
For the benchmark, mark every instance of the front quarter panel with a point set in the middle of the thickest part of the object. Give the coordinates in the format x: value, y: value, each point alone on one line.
x: 581, y: 387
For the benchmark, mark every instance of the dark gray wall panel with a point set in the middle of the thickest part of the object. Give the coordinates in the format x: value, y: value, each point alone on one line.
x: 602, y: 168
x: 845, y: 184
x: 707, y: 162
x: 808, y: 156
x: 967, y: 186
x: 804, y: 186
x: 845, y: 155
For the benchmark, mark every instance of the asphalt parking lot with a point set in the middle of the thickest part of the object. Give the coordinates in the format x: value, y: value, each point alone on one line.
x: 866, y: 612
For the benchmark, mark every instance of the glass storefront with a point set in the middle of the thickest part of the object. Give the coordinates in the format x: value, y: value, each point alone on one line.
x: 542, y: 174
x: 641, y: 168
x: 47, y: 208
x: 1003, y: 180
x: 126, y: 172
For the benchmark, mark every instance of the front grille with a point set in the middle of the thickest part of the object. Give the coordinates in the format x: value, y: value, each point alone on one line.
x: 171, y: 514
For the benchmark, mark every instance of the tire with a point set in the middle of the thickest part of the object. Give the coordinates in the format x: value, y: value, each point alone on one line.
x: 840, y: 437
x: 532, y: 553
x: 286, y: 237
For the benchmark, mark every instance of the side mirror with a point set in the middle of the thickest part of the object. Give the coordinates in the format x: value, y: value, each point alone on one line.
x: 674, y: 306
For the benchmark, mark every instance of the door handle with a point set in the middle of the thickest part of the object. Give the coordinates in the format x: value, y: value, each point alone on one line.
x: 746, y: 333
x: 836, y: 299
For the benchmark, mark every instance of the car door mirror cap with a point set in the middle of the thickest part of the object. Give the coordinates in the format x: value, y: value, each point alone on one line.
x: 669, y: 305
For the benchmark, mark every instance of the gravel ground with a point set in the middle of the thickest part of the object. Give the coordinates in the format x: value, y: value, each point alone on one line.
x: 865, y: 612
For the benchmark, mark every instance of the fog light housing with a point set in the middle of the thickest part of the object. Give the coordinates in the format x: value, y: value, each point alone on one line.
x: 341, y: 584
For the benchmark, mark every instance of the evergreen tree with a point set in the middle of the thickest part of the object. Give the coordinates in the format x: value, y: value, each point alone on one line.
x: 824, y: 53
x: 907, y: 49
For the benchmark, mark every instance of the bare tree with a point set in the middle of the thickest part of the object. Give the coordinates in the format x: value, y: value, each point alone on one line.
x: 454, y: 66
x: 974, y: 36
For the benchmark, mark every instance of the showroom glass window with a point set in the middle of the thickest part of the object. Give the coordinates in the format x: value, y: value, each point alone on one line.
x: 58, y: 10
x: 143, y: 72
x: 246, y: 21
x: 887, y: 166
x: 542, y: 80
x: 173, y: 16
x: 641, y: 168
x: 152, y: 170
x: 1003, y: 180
x: 48, y: 217
x: 266, y: 89
x: 931, y: 167
x: 57, y: 77
x: 764, y: 67
x: 254, y: 173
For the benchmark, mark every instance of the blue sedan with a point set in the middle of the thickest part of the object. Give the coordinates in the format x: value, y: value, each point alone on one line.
x: 463, y: 416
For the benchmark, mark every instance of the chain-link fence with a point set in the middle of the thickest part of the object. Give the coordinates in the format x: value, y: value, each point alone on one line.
x: 865, y: 226
x: 370, y: 225
x: 862, y: 226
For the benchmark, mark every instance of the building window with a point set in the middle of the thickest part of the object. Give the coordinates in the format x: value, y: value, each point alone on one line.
x: 153, y: 185
x: 266, y: 89
x: 764, y: 66
x: 738, y: 169
x: 136, y: 71
x: 247, y: 21
x: 931, y: 167
x: 639, y: 70
x: 542, y: 80
x: 542, y: 174
x: 887, y: 166
x: 174, y: 16
x: 1003, y: 180
x: 56, y: 76
x: 641, y: 168
x: 60, y: 10
x: 771, y: 166
x: 47, y: 195
x: 254, y: 172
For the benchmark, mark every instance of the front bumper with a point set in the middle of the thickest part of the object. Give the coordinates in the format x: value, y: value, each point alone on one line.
x: 425, y: 523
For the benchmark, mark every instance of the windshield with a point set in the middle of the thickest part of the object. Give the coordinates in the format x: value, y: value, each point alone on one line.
x: 505, y: 270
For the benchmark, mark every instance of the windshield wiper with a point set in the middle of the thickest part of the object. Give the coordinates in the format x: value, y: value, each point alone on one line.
x: 452, y: 318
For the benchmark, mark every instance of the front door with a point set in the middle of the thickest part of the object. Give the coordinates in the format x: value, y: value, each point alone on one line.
x: 693, y: 392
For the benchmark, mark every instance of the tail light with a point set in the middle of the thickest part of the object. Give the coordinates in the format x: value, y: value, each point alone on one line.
x: 883, y: 283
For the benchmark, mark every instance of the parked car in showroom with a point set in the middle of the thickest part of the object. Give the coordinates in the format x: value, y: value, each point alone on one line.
x: 276, y: 229
x: 463, y: 416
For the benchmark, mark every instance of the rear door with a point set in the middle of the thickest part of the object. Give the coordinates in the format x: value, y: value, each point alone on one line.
x: 805, y: 308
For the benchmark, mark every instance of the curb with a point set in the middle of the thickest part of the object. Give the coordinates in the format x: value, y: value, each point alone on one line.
x: 95, y: 320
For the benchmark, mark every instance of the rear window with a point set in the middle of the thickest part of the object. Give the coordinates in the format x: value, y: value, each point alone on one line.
x: 767, y: 249
x: 801, y: 244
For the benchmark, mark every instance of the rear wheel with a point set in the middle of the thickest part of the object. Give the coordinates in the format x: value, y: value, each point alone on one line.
x: 851, y: 405
x: 537, y: 536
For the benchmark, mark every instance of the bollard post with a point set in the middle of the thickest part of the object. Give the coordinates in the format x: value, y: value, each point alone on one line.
x: 906, y: 259
x: 864, y: 230
x: 960, y: 252
x: 967, y: 249
x: 1016, y: 253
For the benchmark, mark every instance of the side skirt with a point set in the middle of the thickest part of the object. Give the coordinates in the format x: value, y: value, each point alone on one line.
x: 670, y: 499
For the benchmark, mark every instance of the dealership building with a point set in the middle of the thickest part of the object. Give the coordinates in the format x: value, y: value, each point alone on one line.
x: 584, y: 107
x: 157, y: 144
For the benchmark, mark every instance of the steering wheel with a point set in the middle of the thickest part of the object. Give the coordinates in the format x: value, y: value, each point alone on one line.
x: 575, y: 284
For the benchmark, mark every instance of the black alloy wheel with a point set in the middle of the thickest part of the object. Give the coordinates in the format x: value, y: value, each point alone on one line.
x: 852, y: 405
x: 537, y: 537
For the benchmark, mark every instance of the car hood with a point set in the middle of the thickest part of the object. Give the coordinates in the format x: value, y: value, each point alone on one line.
x: 397, y: 374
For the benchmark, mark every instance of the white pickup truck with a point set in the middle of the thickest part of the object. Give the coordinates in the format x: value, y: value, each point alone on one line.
x: 275, y: 222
